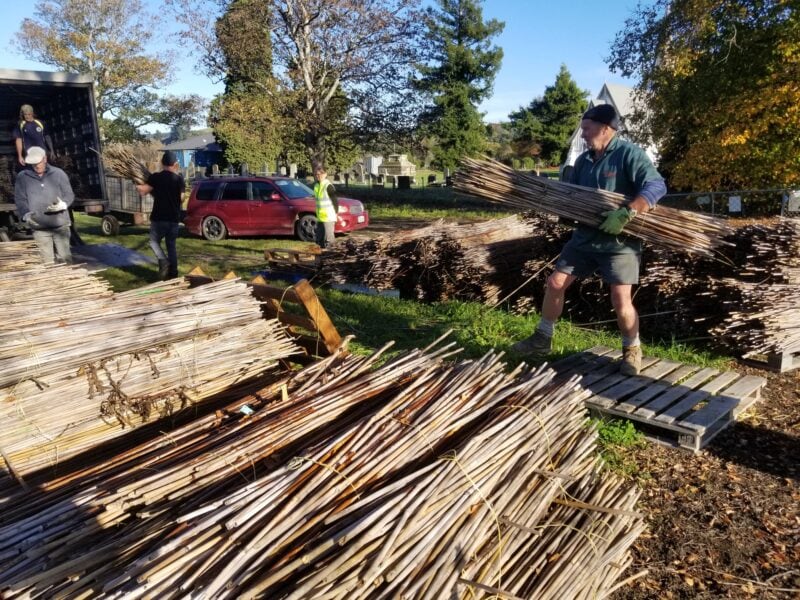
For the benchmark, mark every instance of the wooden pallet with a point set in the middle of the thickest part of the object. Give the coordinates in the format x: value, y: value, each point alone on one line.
x: 780, y: 362
x: 681, y: 405
x: 291, y: 259
x: 310, y: 325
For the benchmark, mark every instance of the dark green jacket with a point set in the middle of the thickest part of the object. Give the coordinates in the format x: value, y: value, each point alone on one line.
x: 624, y: 168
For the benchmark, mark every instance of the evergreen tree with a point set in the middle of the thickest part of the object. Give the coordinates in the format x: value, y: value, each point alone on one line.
x: 544, y: 128
x: 458, y: 74
x: 246, y: 117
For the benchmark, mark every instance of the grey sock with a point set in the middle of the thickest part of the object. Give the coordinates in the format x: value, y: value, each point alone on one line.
x: 627, y: 342
x: 546, y: 327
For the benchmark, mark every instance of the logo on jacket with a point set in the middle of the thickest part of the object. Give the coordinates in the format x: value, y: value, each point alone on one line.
x: 611, y: 174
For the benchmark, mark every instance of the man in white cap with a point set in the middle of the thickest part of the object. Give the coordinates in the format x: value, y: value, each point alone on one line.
x: 43, y: 195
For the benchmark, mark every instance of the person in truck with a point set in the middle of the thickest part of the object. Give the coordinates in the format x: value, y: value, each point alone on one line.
x: 43, y: 196
x: 30, y: 133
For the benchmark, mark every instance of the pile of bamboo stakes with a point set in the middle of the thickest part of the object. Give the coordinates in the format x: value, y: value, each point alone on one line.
x: 80, y: 366
x: 678, y: 230
x: 475, y: 261
x: 762, y: 300
x: 419, y: 478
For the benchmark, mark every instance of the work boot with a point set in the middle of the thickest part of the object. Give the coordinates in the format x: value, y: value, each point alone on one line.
x: 163, y: 269
x: 631, y: 360
x: 538, y: 345
x: 172, y: 272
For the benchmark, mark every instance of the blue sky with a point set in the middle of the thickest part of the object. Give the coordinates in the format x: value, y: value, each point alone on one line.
x: 539, y: 36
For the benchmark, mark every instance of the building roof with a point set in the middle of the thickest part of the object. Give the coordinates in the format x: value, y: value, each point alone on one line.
x: 621, y: 97
x: 202, y: 141
x: 52, y: 77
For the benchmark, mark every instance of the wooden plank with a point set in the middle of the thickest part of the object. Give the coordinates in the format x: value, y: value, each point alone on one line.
x: 656, y: 388
x: 630, y: 385
x: 566, y: 367
x: 614, y: 378
x: 288, y: 318
x: 309, y: 299
x: 746, y: 386
x: 703, y: 419
x: 669, y: 396
x: 268, y: 292
x: 674, y: 412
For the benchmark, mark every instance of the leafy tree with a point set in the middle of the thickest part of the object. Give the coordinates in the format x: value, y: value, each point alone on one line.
x: 458, y: 73
x: 103, y: 38
x: 248, y: 117
x: 718, y: 89
x: 544, y: 128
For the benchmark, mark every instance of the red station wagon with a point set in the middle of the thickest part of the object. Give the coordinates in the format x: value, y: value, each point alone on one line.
x: 262, y: 206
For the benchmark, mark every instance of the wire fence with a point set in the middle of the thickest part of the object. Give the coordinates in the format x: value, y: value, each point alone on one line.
x: 739, y: 203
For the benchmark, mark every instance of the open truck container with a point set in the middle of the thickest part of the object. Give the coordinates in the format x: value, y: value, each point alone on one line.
x: 65, y: 103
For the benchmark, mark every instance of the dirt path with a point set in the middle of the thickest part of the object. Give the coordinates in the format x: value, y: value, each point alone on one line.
x: 726, y: 523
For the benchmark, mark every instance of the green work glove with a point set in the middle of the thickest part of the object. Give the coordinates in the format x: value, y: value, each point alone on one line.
x: 617, y: 219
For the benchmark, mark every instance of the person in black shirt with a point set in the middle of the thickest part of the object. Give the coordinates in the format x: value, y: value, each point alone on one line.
x: 30, y: 133
x: 167, y: 187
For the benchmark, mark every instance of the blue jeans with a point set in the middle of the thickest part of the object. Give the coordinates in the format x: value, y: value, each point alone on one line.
x: 165, y: 230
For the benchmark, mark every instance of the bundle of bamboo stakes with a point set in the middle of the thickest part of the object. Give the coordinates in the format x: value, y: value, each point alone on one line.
x: 420, y: 478
x: 678, y: 230
x: 81, y: 366
x: 15, y: 256
x: 120, y: 160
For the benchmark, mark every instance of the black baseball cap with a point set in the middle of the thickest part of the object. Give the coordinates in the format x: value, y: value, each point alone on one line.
x: 605, y: 114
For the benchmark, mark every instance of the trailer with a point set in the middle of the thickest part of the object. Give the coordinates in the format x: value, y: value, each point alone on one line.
x: 64, y: 102
x: 125, y: 206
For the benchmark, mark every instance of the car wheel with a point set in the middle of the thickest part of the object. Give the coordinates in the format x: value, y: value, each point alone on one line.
x: 306, y: 228
x: 109, y: 225
x: 214, y: 229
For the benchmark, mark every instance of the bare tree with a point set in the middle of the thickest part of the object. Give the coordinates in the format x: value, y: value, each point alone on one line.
x: 363, y: 49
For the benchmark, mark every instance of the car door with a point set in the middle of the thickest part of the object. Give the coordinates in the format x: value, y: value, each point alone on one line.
x: 233, y: 205
x: 270, y: 213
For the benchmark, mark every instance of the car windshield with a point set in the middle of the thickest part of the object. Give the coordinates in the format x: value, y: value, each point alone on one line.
x: 293, y: 188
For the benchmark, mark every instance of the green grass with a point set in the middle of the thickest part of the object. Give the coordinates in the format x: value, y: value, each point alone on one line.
x: 618, y: 441
x: 374, y: 320
x: 379, y: 210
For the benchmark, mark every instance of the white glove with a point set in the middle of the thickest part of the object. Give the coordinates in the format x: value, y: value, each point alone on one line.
x: 55, y: 207
x: 28, y: 218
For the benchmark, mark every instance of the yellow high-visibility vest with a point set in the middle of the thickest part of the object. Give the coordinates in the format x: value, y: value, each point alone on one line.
x: 325, y: 210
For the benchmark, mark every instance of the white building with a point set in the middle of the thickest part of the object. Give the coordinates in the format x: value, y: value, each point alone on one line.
x: 621, y: 98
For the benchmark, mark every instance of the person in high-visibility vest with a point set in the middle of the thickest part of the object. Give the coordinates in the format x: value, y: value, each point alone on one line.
x: 327, y: 207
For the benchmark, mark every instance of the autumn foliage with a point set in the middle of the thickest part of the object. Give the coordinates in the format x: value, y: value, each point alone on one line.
x: 719, y: 89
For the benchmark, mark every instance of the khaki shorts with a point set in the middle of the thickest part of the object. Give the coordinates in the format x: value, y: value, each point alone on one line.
x: 616, y: 268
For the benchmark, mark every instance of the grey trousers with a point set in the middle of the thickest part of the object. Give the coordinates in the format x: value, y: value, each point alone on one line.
x: 53, y: 244
x: 325, y: 233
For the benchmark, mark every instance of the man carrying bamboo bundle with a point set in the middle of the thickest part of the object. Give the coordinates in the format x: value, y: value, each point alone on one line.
x: 616, y: 165
x: 43, y: 196
x: 167, y: 188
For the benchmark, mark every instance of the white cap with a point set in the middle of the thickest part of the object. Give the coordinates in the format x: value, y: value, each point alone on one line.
x: 35, y: 155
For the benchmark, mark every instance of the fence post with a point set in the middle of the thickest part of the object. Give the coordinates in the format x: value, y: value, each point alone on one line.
x: 713, y: 204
